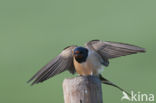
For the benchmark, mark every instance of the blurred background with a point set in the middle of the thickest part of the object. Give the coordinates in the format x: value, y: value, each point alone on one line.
x: 32, y: 32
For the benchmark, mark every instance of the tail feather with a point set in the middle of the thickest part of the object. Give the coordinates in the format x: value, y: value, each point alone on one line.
x: 105, y: 81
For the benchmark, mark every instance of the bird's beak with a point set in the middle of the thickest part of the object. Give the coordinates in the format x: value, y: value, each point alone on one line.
x: 78, y: 56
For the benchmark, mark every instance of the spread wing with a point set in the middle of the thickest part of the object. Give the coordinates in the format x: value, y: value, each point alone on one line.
x: 64, y: 61
x: 108, y: 50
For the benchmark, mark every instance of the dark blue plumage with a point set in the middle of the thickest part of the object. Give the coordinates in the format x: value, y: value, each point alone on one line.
x: 80, y: 54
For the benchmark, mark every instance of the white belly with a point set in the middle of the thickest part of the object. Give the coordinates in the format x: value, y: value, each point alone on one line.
x: 91, y: 66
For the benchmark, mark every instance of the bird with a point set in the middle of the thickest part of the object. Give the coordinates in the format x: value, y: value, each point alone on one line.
x: 90, y: 59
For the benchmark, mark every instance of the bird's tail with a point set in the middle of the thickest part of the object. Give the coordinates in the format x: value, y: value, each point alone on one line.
x: 105, y: 81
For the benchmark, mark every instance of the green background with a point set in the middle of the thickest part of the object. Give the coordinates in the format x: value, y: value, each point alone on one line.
x: 32, y: 32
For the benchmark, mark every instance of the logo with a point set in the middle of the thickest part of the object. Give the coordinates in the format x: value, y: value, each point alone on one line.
x: 138, y: 97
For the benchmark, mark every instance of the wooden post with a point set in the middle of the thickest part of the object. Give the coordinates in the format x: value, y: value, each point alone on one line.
x: 82, y: 89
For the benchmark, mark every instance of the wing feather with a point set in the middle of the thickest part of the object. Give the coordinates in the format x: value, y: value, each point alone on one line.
x: 110, y: 50
x: 64, y: 61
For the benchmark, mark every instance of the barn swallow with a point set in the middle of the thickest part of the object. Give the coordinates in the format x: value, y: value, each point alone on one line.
x: 88, y: 60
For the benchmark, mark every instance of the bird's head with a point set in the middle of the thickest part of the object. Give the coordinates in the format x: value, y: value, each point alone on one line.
x: 80, y: 54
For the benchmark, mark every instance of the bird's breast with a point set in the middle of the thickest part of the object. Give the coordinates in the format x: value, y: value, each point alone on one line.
x: 91, y: 66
